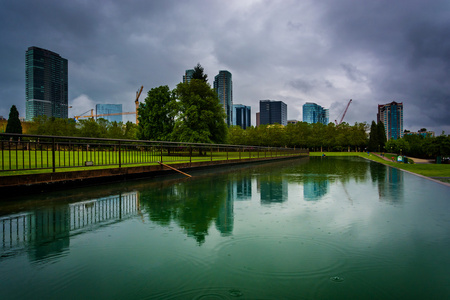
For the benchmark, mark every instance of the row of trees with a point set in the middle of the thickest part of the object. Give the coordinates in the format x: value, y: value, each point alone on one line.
x: 420, y: 146
x: 100, y: 128
x: 315, y: 136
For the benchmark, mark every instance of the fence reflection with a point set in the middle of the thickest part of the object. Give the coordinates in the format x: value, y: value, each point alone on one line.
x: 58, y: 223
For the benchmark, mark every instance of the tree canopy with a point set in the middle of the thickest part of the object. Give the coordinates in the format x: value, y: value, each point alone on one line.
x: 200, y: 119
x: 199, y: 73
x: 101, y: 128
x: 14, y: 125
x: 157, y: 115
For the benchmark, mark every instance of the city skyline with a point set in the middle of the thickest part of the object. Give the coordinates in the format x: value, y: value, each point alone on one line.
x: 292, y: 51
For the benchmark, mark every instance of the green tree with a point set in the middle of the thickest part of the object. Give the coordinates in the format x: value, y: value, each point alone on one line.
x: 381, y: 132
x: 13, y: 125
x: 237, y: 136
x: 201, y: 118
x: 373, y: 137
x: 91, y: 128
x: 157, y: 115
x: 43, y: 125
x: 199, y: 73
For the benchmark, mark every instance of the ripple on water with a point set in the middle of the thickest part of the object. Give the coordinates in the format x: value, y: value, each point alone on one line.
x: 210, y: 293
x: 281, y: 257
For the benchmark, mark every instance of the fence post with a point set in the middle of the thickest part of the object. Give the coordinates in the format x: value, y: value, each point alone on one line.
x: 190, y: 154
x: 210, y: 149
x: 161, y: 153
x: 53, y: 154
x: 120, y: 155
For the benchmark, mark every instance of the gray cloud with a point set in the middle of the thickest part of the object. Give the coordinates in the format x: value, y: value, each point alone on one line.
x: 295, y: 51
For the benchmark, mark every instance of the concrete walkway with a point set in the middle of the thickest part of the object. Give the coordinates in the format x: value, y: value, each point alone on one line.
x: 388, y: 157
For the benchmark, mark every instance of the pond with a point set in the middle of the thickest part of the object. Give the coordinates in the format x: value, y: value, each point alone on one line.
x: 311, y: 228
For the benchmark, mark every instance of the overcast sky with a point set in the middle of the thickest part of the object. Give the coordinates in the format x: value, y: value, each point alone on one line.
x: 326, y: 52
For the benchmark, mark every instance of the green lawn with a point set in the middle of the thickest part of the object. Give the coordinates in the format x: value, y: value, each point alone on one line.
x: 429, y: 170
x: 31, y: 162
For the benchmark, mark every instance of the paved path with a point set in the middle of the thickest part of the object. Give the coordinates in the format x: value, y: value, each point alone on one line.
x: 389, y: 156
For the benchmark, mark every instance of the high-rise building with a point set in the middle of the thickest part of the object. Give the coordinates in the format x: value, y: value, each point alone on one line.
x: 242, y: 115
x: 391, y: 115
x: 223, y: 85
x: 188, y: 75
x: 46, y: 84
x: 272, y: 112
x: 314, y: 113
x: 106, y: 109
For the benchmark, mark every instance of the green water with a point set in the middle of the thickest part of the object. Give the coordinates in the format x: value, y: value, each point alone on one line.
x: 317, y: 228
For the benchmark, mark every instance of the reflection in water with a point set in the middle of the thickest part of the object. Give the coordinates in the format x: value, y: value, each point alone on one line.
x: 193, y: 207
x: 238, y: 245
x: 390, y: 182
x: 273, y: 189
x: 315, y: 189
x: 225, y: 219
x: 46, y: 232
x: 242, y: 188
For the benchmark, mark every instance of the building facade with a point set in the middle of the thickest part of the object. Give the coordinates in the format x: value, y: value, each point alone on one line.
x: 46, y: 84
x: 314, y: 113
x: 223, y: 85
x: 242, y: 115
x: 188, y: 75
x: 106, y: 109
x: 272, y: 112
x: 391, y: 115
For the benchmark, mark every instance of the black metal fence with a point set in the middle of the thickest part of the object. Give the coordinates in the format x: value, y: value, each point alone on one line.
x: 34, y: 152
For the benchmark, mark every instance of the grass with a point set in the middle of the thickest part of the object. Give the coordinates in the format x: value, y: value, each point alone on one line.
x: 429, y: 170
x: 35, y: 162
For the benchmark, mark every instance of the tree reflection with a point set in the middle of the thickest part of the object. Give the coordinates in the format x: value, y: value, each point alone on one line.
x: 192, y: 204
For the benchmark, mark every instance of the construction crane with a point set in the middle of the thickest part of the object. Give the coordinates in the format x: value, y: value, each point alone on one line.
x: 83, y: 115
x: 343, y: 115
x: 138, y: 93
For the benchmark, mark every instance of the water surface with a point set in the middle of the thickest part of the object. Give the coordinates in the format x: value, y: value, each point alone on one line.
x: 317, y: 228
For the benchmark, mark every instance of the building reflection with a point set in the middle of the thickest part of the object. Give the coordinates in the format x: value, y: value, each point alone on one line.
x: 315, y: 189
x: 390, y: 182
x: 273, y: 190
x: 46, y: 232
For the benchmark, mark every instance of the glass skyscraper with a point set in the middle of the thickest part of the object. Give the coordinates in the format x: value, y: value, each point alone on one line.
x: 391, y: 115
x: 105, y: 109
x: 242, y: 115
x: 188, y: 75
x: 313, y: 113
x: 223, y: 85
x: 272, y: 112
x: 46, y: 84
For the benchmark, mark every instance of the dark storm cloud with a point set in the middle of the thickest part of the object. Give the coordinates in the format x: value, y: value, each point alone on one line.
x: 295, y: 51
x: 408, y: 40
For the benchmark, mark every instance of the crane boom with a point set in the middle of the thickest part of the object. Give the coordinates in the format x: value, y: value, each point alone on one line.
x: 343, y: 115
x: 104, y: 115
x: 136, y: 102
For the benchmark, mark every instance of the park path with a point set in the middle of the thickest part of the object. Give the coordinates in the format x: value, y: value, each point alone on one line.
x: 389, y: 157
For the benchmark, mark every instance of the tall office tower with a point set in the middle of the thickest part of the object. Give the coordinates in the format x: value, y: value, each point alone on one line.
x: 242, y: 115
x: 391, y: 115
x: 223, y: 85
x: 272, y: 112
x: 188, y: 75
x: 46, y: 85
x: 107, y: 109
x: 313, y: 113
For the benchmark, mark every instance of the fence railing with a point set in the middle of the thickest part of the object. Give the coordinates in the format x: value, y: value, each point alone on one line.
x: 36, y: 152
